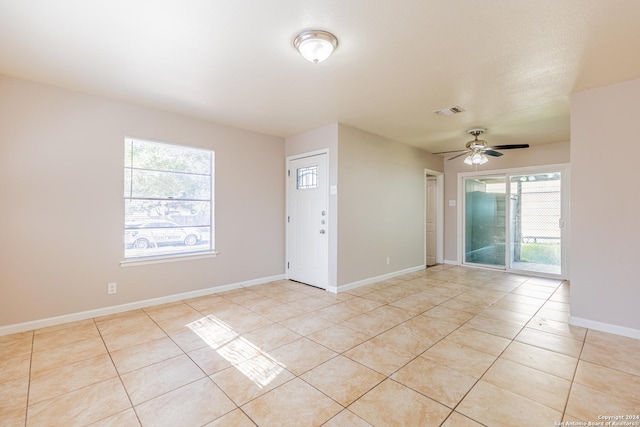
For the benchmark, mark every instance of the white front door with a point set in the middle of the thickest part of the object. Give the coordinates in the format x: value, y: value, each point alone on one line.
x: 308, y: 220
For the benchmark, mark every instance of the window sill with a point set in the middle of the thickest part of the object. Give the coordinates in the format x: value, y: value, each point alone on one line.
x: 169, y: 258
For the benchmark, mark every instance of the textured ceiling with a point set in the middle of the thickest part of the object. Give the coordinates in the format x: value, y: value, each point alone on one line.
x: 510, y: 64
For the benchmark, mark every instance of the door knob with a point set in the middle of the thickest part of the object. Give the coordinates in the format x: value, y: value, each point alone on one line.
x: 322, y: 231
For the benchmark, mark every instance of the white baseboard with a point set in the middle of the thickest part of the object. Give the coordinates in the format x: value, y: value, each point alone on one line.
x: 604, y: 327
x: 376, y: 279
x: 89, y: 314
x: 451, y: 262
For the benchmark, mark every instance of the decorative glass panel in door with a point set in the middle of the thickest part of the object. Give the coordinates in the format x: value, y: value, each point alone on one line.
x: 536, y: 209
x: 485, y: 220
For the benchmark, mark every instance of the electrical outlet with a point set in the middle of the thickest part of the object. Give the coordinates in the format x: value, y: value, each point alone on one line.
x: 112, y: 288
x: 388, y: 260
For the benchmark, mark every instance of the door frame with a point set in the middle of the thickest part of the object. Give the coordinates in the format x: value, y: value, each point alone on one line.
x: 328, y: 226
x: 564, y: 168
x: 439, y: 215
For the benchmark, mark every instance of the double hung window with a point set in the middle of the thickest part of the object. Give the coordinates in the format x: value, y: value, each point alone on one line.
x: 168, y: 200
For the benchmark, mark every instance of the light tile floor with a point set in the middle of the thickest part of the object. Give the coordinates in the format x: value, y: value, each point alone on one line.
x: 448, y: 346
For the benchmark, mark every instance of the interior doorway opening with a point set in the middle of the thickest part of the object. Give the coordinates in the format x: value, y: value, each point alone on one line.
x: 434, y: 214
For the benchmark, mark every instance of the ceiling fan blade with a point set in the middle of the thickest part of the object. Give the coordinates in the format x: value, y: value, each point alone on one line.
x: 461, y: 154
x: 492, y: 153
x: 509, y: 146
x: 448, y: 152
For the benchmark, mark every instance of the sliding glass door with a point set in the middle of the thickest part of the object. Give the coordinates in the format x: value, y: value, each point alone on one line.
x: 536, y: 222
x: 485, y: 220
x: 514, y: 221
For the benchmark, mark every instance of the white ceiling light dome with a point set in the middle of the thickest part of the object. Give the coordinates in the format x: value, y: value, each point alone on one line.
x: 315, y: 45
x: 476, y: 158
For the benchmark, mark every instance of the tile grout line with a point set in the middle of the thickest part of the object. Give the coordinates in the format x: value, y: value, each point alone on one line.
x: 26, y: 409
x: 459, y: 327
x: 117, y: 373
x: 433, y: 344
x: 386, y: 377
x: 195, y: 363
x: 436, y: 342
x: 294, y: 376
x: 505, y: 349
x: 573, y: 378
x: 333, y: 357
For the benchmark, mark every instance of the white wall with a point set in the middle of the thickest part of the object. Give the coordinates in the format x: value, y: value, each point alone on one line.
x: 62, y: 216
x: 537, y: 155
x: 379, y: 209
x: 381, y: 205
x: 605, y: 206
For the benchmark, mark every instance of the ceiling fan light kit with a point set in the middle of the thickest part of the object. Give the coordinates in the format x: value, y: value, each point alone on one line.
x: 477, y: 150
x: 476, y: 159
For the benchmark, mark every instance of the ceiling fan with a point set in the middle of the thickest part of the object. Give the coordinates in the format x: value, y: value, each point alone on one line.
x: 478, y: 150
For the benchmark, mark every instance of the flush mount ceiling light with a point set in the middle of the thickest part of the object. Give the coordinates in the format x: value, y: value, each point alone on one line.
x: 315, y: 45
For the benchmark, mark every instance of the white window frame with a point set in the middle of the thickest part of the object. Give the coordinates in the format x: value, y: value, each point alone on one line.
x: 159, y: 253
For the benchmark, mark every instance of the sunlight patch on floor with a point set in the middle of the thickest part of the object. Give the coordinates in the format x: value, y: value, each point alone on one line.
x: 245, y: 356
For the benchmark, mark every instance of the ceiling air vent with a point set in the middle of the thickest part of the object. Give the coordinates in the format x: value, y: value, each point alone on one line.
x: 449, y: 111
